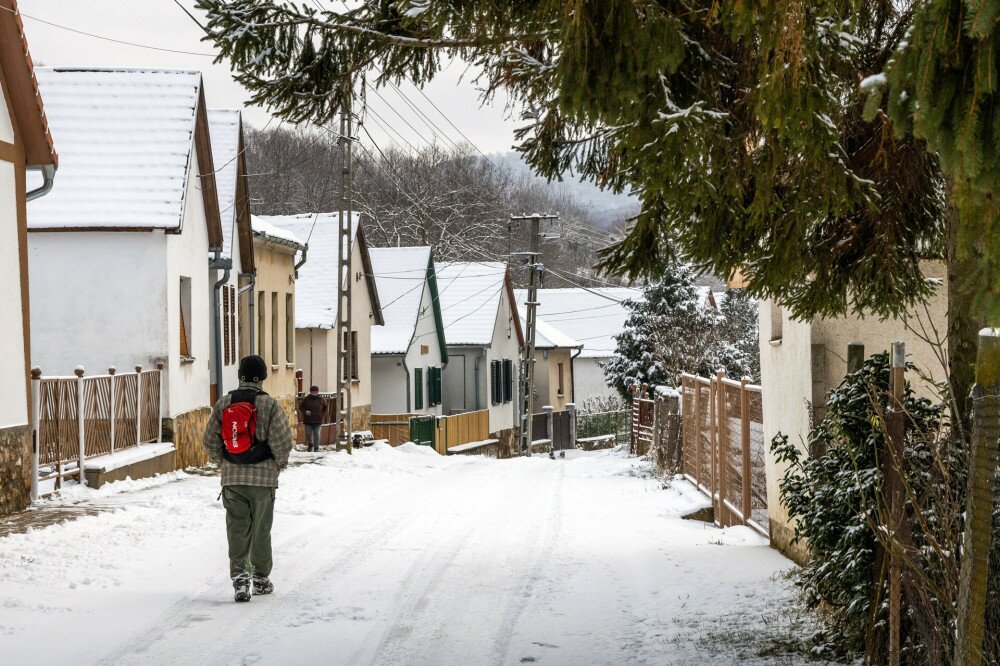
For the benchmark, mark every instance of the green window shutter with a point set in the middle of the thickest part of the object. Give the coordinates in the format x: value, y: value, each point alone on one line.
x: 508, y: 380
x: 437, y: 386
x: 418, y: 388
x: 432, y: 386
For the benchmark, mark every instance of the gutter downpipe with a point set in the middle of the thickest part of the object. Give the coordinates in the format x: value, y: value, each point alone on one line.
x: 48, y: 176
x: 305, y: 251
x: 572, y: 371
x: 406, y: 374
x: 226, y: 265
x: 478, y: 358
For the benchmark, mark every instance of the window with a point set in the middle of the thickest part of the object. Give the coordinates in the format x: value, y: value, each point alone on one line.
x: 433, y: 386
x: 274, y: 328
x: 777, y: 317
x: 508, y: 380
x: 185, y: 317
x: 562, y: 388
x: 289, y: 329
x: 418, y: 388
x: 496, y: 394
x: 354, y: 355
x: 261, y: 318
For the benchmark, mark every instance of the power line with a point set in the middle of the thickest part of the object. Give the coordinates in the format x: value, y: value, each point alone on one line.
x: 110, y: 39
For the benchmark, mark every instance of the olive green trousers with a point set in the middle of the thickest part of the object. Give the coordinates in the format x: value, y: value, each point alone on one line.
x: 249, y: 514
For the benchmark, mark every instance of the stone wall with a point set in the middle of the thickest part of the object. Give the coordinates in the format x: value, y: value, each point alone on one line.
x: 508, y: 441
x: 186, y: 431
x: 15, y: 469
x: 361, y: 417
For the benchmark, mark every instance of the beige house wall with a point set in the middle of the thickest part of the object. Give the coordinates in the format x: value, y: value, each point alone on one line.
x: 547, y: 378
x: 275, y: 275
x: 802, y: 361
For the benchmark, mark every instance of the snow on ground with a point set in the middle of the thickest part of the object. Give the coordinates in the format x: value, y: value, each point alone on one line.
x: 401, y: 556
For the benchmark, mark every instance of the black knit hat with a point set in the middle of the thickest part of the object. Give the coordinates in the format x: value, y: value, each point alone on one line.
x: 253, y: 369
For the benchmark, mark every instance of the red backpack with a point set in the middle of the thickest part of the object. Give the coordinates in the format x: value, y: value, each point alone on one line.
x: 238, y: 430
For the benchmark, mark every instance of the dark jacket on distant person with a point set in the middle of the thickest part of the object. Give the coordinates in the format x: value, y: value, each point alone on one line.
x: 312, y: 410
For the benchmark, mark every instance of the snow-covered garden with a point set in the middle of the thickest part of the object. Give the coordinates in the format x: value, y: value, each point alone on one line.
x: 401, y: 556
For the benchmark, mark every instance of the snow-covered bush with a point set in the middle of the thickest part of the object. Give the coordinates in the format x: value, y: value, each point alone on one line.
x: 836, y: 500
x: 670, y: 331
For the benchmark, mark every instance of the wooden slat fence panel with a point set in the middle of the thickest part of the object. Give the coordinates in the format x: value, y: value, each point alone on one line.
x: 723, y: 449
x: 149, y: 422
x: 126, y: 410
x: 464, y: 428
x: 97, y: 415
x: 395, y: 428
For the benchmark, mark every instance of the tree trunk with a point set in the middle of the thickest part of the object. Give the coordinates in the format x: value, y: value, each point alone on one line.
x: 964, y: 323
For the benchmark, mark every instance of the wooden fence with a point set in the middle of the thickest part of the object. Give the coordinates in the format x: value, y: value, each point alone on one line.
x: 75, y: 418
x: 723, y: 449
x: 392, y: 427
x: 464, y: 428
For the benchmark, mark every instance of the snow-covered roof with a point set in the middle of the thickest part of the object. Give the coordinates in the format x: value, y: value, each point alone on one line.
x: 591, y: 317
x: 470, y: 294
x: 125, y: 141
x: 224, y: 126
x: 546, y: 335
x: 265, y: 230
x: 401, y: 276
x: 316, y: 285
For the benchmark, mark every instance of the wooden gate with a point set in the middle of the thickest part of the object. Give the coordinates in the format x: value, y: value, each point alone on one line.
x: 422, y: 430
x: 643, y: 414
x: 562, y: 431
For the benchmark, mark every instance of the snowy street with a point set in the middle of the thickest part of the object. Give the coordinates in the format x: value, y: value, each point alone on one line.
x: 400, y: 556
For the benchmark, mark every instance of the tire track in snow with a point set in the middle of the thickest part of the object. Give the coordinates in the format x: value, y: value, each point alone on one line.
x: 533, y: 574
x: 141, y: 645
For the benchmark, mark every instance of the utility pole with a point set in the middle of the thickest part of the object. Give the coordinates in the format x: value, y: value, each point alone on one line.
x: 345, y: 369
x: 527, y: 374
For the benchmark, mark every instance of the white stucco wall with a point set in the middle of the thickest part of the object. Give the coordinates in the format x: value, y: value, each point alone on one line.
x: 425, y: 351
x: 312, y: 354
x: 389, y: 382
x: 13, y: 402
x: 589, y: 380
x: 786, y: 395
x: 505, y: 346
x: 99, y: 299
x: 188, y: 384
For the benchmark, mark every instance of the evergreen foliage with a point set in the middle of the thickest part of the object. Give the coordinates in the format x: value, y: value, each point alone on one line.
x: 670, y: 331
x: 739, y: 125
x: 836, y: 502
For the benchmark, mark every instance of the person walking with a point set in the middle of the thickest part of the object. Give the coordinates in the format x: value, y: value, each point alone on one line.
x: 248, y: 435
x: 312, y: 412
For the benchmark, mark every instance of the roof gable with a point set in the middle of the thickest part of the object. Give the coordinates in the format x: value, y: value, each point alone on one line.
x: 401, y: 276
x: 592, y: 316
x: 470, y: 297
x: 126, y: 137
x: 226, y: 129
x: 316, y: 285
x: 25, y: 100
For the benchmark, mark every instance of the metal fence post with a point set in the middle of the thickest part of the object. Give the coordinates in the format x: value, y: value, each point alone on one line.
x: 697, y: 432
x: 138, y: 405
x: 111, y: 410
x: 36, y: 435
x: 893, y: 491
x: 159, y: 407
x: 80, y: 424
x: 745, y: 443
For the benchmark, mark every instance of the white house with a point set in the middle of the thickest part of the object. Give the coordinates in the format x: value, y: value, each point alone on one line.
x: 118, y: 254
x: 409, y: 351
x: 316, y: 309
x: 25, y: 144
x: 800, y: 361
x: 591, y: 317
x: 484, y: 338
x: 236, y: 258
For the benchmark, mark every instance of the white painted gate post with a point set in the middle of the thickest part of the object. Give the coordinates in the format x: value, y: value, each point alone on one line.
x: 36, y: 435
x: 138, y: 405
x: 571, y: 408
x: 159, y: 406
x: 111, y: 371
x: 81, y: 425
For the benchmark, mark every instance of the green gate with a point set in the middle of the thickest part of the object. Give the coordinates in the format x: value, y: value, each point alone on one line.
x: 422, y: 429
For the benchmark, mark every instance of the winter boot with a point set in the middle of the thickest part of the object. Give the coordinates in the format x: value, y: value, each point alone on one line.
x: 262, y: 585
x: 241, y: 585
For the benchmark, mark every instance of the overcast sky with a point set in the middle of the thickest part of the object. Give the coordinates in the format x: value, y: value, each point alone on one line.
x: 161, y: 23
